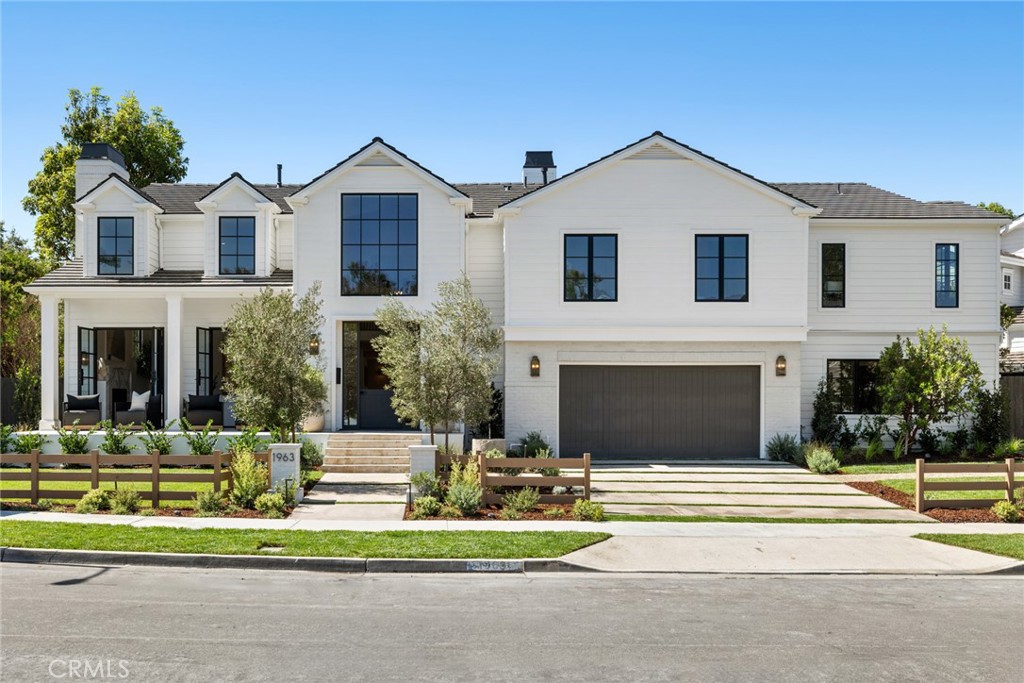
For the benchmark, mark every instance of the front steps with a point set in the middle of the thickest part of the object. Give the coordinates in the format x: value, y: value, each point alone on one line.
x: 369, y: 453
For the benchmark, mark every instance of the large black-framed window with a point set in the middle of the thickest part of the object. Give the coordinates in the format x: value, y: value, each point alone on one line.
x: 854, y: 385
x: 722, y: 268
x: 833, y: 275
x: 947, y: 275
x: 116, y: 246
x: 237, y: 245
x: 591, y: 267
x: 380, y: 235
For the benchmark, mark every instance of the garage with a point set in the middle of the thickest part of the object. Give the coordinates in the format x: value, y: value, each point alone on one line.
x: 659, y: 412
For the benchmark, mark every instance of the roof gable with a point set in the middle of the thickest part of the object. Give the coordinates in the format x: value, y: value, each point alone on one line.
x: 234, y: 181
x: 113, y: 181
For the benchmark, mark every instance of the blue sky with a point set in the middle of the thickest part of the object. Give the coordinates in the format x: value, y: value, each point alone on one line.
x: 925, y: 99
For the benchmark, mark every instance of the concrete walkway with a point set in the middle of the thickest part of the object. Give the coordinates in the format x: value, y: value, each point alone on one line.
x: 355, y: 496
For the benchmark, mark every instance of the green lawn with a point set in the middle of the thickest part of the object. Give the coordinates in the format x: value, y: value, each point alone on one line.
x: 379, y: 544
x: 142, y: 487
x: 908, y: 486
x: 741, y: 519
x: 1007, y: 545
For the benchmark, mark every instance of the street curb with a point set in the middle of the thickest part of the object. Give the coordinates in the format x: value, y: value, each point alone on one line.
x: 346, y: 565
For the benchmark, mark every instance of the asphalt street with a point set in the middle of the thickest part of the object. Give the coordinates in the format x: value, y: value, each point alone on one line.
x: 59, y: 623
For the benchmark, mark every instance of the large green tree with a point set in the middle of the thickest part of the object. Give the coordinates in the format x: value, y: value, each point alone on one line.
x: 274, y: 381
x: 439, y: 363
x: 19, y: 310
x: 997, y: 208
x: 926, y: 381
x: 150, y: 142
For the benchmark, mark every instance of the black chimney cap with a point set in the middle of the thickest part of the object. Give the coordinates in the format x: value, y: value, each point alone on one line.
x: 101, y: 150
x: 539, y: 160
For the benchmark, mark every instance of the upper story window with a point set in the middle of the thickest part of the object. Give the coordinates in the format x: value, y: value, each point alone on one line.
x: 855, y: 386
x: 591, y: 267
x: 1007, y: 280
x: 379, y: 243
x: 833, y: 275
x: 722, y: 268
x: 947, y: 275
x: 116, y: 246
x: 237, y: 245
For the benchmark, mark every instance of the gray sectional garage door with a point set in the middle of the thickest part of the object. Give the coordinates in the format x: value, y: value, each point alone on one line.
x: 659, y: 412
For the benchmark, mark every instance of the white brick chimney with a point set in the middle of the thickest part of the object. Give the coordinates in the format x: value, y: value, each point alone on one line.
x: 98, y: 160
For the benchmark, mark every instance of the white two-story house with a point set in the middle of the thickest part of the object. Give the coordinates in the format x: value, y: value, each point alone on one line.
x: 656, y: 303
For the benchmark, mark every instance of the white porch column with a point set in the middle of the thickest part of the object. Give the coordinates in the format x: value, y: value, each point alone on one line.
x: 172, y: 359
x: 49, y: 327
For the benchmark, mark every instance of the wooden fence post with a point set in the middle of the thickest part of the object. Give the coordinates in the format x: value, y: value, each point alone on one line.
x: 1009, y: 480
x: 586, y: 476
x: 231, y: 475
x: 33, y: 459
x: 94, y: 463
x: 919, y: 486
x: 155, y: 478
x: 216, y: 471
x: 482, y: 465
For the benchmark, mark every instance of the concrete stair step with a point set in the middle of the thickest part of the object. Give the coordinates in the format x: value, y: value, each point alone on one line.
x: 366, y: 460
x: 333, y: 450
x: 366, y: 469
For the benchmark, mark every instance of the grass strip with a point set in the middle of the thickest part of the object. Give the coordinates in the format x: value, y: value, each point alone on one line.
x: 745, y: 520
x: 747, y: 505
x: 1007, y: 545
x: 143, y: 487
x: 360, y: 544
x: 909, y: 486
x: 596, y: 487
x: 900, y: 467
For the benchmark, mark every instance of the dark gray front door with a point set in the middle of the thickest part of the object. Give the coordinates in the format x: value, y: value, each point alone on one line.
x: 659, y: 412
x: 375, y: 411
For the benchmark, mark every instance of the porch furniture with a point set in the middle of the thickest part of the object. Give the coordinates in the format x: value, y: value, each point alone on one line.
x: 84, y: 409
x: 202, y: 409
x: 152, y: 411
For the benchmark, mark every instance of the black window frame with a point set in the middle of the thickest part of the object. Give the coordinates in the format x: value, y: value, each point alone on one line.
x: 590, y: 266
x: 236, y: 254
x: 398, y: 244
x: 955, y: 276
x: 825, y: 260
x: 862, y: 397
x: 721, y: 268
x: 116, y: 255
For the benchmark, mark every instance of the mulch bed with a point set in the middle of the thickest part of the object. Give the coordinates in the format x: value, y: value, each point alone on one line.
x: 953, y: 515
x: 160, y: 512
x: 493, y: 512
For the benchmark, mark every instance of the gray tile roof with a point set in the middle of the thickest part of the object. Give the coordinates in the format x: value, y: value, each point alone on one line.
x: 860, y: 200
x: 70, y: 275
x: 489, y: 196
x: 182, y: 197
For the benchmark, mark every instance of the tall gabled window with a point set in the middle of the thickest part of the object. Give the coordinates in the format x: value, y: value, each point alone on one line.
x: 116, y: 246
x: 237, y: 245
x: 833, y: 275
x: 947, y: 275
x: 854, y: 384
x: 591, y: 268
x: 722, y: 268
x: 379, y: 243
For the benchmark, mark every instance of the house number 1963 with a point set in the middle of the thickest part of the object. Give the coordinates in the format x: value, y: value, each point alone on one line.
x: 284, y: 457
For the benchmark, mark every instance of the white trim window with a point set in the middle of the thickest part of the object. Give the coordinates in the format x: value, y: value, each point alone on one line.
x: 1007, y: 280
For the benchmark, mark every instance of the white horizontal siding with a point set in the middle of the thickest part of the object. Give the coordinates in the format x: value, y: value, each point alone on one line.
x: 183, y: 244
x: 284, y: 244
x: 485, y: 268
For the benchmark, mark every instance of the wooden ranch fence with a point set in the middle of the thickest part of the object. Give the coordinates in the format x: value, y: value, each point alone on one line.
x: 1006, y: 486
x: 491, y: 476
x: 41, y: 473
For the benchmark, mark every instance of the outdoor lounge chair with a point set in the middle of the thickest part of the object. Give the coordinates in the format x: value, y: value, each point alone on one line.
x: 84, y: 409
x: 153, y: 412
x: 202, y: 409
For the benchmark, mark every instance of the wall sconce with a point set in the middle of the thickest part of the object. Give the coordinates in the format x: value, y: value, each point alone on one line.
x: 314, y: 345
x: 535, y: 367
x: 780, y: 366
x: 83, y: 359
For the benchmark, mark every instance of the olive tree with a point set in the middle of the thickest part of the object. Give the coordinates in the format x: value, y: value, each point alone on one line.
x: 274, y: 382
x: 933, y: 379
x: 440, y: 362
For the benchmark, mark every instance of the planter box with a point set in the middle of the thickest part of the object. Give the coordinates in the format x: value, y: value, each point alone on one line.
x: 484, y: 445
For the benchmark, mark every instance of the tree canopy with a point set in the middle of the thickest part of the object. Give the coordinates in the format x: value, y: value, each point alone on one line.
x: 19, y: 310
x: 998, y: 208
x: 152, y: 148
x: 274, y: 381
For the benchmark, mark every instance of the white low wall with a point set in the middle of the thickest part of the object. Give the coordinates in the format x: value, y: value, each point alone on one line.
x: 178, y: 444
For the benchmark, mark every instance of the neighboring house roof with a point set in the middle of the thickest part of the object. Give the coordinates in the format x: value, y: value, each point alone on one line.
x: 489, y: 196
x: 70, y: 275
x: 860, y: 200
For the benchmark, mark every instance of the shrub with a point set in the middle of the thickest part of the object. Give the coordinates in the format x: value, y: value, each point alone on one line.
x: 990, y: 424
x: 820, y: 459
x: 201, y: 441
x: 449, y: 512
x: 311, y: 454
x: 93, y: 501
x: 44, y: 504
x: 426, y: 506
x: 271, y: 505
x: 545, y: 453
x: 6, y: 433
x: 1009, y: 448
x: 464, y: 492
x: 783, y: 447
x: 826, y: 424
x: 28, y: 442
x: 510, y: 514
x: 427, y: 484
x: 27, y: 395
x: 533, y: 442
x: 157, y: 439
x: 451, y: 449
x: 929, y: 440
x: 209, y: 503
x: 1007, y: 511
x: 248, y: 440
x: 73, y: 441
x: 125, y: 501
x: 522, y: 500
x: 115, y: 442
x: 587, y: 511
x: 554, y: 513
x: 874, y: 450
x: 249, y: 479
x: 287, y: 492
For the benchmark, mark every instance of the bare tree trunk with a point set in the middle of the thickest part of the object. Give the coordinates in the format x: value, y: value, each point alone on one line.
x: 446, y: 430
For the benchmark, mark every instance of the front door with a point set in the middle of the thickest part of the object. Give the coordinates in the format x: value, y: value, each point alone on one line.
x: 366, y: 402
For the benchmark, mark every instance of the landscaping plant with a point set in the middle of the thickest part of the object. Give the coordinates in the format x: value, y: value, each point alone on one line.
x: 427, y: 484
x: 464, y: 491
x: 125, y: 501
x: 554, y: 513
x: 990, y: 424
x: 544, y: 454
x: 93, y: 501
x: 449, y: 512
x: 115, y: 441
x: 6, y: 432
x: 249, y: 479
x: 209, y: 503
x: 873, y: 450
x: 28, y: 442
x: 534, y: 442
x: 44, y: 504
x: 310, y: 454
x: 1010, y: 448
x: 1007, y: 511
x: 248, y: 440
x: 521, y: 500
x: 820, y: 459
x: 158, y: 440
x: 201, y: 441
x: 271, y: 505
x: 587, y: 511
x: 783, y: 447
x: 74, y: 441
x: 425, y: 506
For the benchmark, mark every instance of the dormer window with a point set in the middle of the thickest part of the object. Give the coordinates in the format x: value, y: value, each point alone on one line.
x: 237, y: 245
x: 116, y: 246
